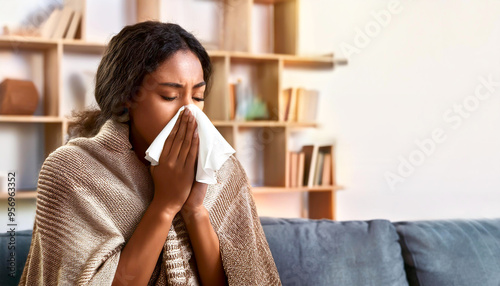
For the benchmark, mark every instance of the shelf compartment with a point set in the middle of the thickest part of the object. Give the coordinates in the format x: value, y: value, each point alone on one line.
x: 259, y: 79
x: 51, y: 53
x: 216, y: 105
x: 237, y: 28
x: 283, y: 30
x: 262, y: 152
x: 25, y: 149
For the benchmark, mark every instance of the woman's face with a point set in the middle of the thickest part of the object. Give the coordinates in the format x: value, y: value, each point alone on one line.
x: 178, y: 81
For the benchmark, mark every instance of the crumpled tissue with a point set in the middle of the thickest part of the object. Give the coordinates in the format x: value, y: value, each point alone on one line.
x: 213, y: 149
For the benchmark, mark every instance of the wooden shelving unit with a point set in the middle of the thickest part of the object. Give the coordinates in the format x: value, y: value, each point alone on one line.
x: 234, y: 50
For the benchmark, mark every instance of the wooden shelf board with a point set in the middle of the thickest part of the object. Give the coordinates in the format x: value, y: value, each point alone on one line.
x: 30, y: 119
x: 288, y: 59
x: 217, y: 53
x: 264, y: 123
x: 311, y: 61
x: 79, y: 46
x: 269, y: 1
x: 250, y: 57
x: 22, y: 42
x: 268, y: 190
x: 35, y: 43
x: 24, y: 194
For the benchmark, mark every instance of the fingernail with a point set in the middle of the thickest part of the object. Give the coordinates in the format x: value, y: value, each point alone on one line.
x: 195, y: 135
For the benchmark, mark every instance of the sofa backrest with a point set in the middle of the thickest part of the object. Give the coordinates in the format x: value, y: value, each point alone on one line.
x: 325, y: 252
x: 13, y: 253
x: 451, y: 252
x: 306, y: 252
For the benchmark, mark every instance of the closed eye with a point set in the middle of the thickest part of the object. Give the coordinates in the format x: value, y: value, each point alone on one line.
x: 168, y: 98
x: 173, y: 98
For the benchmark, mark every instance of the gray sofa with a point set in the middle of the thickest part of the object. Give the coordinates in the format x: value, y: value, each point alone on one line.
x: 376, y: 252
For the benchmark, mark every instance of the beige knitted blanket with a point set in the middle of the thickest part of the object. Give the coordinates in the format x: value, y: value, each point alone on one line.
x: 92, y: 193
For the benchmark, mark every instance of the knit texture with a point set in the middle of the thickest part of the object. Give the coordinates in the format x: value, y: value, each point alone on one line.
x: 92, y: 194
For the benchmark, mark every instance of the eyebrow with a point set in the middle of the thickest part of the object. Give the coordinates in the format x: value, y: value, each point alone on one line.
x: 178, y: 85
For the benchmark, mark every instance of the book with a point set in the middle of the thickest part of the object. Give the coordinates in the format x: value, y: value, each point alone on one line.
x: 291, y: 111
x: 73, y: 26
x: 318, y: 169
x: 310, y: 157
x: 285, y: 103
x: 48, y: 27
x: 327, y: 168
x: 318, y: 165
x: 307, y: 105
x: 63, y: 23
x: 232, y: 101
x: 300, y: 169
x: 293, y: 169
x: 326, y: 179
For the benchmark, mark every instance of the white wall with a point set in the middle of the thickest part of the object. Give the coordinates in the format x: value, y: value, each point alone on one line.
x: 429, y: 58
x: 414, y: 68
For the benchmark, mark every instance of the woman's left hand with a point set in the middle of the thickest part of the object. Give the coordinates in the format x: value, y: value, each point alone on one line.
x: 194, y: 202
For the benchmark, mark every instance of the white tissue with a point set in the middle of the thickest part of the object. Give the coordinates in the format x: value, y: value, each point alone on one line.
x: 213, y: 148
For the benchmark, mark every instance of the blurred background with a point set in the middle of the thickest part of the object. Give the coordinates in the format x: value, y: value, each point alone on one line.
x: 405, y: 98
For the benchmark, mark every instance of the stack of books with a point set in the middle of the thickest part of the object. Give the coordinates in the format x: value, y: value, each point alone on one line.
x: 312, y: 166
x: 299, y: 105
x: 62, y: 23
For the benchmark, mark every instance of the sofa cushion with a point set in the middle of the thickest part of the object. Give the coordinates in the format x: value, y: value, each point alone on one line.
x: 325, y: 252
x: 22, y: 242
x: 451, y: 252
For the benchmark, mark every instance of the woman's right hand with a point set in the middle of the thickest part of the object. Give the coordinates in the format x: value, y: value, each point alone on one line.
x: 173, y: 177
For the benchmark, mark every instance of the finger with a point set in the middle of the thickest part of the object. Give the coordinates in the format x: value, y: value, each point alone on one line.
x: 186, y: 144
x: 168, y: 143
x: 193, y: 151
x: 179, y: 137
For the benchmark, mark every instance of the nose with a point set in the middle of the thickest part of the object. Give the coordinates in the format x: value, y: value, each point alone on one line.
x: 187, y: 99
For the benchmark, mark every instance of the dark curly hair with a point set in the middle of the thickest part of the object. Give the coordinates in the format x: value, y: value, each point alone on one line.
x: 134, y: 52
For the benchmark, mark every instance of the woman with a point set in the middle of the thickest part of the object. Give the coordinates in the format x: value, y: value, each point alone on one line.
x: 105, y: 217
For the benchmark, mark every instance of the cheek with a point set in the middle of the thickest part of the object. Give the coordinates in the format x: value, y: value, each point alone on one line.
x: 150, y: 116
